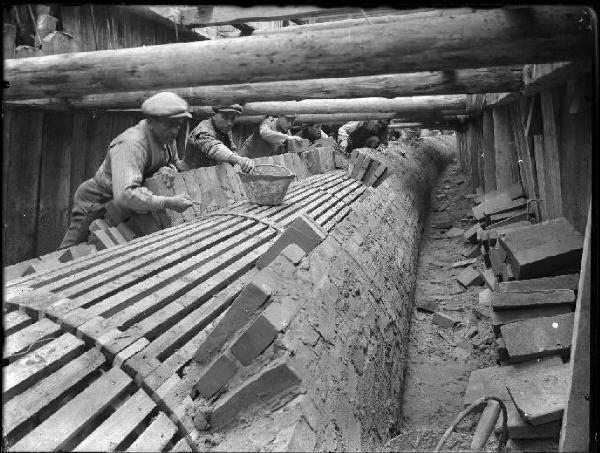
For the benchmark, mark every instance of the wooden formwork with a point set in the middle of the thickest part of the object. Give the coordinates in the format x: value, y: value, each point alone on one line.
x: 99, y: 350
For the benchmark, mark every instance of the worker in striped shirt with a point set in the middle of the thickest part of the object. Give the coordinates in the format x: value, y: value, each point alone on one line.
x: 133, y: 156
x: 211, y: 142
x: 363, y: 134
x: 270, y: 138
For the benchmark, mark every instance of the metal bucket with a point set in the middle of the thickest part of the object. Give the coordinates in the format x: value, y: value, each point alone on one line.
x: 267, y: 186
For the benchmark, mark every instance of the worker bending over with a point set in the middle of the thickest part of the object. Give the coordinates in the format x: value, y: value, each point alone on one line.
x: 363, y: 134
x: 311, y: 132
x: 132, y: 157
x: 211, y: 142
x: 270, y: 137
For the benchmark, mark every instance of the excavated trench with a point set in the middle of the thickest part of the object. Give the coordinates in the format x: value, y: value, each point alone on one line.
x: 347, y: 344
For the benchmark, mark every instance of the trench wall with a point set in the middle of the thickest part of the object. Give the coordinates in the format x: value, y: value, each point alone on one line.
x: 348, y: 341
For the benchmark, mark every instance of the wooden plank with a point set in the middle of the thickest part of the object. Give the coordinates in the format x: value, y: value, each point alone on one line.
x: 25, y: 372
x: 502, y: 317
x: 157, y: 436
x: 538, y: 337
x: 111, y: 434
x: 523, y: 151
x: 541, y: 77
x: 97, y: 140
x: 542, y: 398
x: 505, y: 150
x: 550, y: 115
x: 543, y: 249
x: 59, y: 430
x: 540, y: 166
x: 489, y: 152
x: 569, y: 281
x: 512, y: 300
x: 574, y: 435
x: 24, y: 159
x: 46, y: 394
x: 30, y: 336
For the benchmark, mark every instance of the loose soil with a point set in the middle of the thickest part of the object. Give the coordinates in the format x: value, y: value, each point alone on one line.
x: 440, y: 359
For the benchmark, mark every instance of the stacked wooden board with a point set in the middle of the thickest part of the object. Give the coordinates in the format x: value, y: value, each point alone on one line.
x: 98, y: 348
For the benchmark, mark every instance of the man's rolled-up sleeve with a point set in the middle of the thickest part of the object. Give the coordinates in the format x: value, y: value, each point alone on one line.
x: 345, y: 130
x: 210, y: 146
x: 269, y: 134
x: 127, y: 168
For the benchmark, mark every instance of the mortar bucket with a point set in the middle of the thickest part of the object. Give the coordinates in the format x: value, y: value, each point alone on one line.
x: 267, y: 184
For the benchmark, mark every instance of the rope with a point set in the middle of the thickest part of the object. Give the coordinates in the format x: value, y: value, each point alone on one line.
x: 249, y: 216
x: 478, y: 404
x: 32, y: 344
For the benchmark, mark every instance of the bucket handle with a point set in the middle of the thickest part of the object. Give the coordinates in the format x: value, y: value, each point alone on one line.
x: 273, y: 165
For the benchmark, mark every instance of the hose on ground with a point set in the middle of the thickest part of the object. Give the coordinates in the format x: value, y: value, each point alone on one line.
x: 478, y: 404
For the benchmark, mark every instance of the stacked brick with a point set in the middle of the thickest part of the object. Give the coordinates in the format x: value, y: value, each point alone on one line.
x: 367, y: 167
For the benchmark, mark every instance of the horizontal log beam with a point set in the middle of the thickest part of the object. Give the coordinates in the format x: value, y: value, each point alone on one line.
x: 482, y: 80
x: 344, y: 117
x: 539, y: 77
x: 483, y: 38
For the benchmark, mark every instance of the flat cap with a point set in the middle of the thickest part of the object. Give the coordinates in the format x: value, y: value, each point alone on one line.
x: 166, y: 105
x: 236, y: 108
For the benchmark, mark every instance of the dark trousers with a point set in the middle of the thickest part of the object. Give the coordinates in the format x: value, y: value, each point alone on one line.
x: 88, y: 205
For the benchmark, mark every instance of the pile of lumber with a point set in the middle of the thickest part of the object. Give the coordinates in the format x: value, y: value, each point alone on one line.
x: 501, y: 207
x: 532, y: 280
x: 366, y: 166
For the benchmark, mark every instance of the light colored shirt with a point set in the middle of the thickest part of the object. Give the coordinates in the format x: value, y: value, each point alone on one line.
x: 345, y: 130
x: 132, y: 157
x: 207, y: 146
x: 266, y: 140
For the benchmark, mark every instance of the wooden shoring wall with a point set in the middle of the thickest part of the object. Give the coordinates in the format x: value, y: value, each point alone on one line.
x: 47, y: 154
x: 551, y: 148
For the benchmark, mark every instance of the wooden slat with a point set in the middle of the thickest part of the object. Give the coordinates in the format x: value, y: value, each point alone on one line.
x: 157, y: 436
x: 44, y: 395
x: 78, y: 157
x: 127, y: 418
x: 57, y: 431
x: 14, y: 321
x: 38, y: 364
x: 22, y: 199
x: 97, y: 141
x: 30, y: 337
x: 550, y: 111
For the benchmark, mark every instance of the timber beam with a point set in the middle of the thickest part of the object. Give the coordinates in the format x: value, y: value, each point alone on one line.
x: 344, y: 117
x: 481, y: 80
x: 481, y: 38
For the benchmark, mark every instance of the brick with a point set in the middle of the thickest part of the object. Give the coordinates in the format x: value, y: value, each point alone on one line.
x: 543, y: 249
x: 266, y: 385
x: 126, y: 232
x: 512, y: 300
x: 98, y: 224
x: 101, y: 240
x: 254, y: 340
x: 293, y: 253
x: 471, y: 234
x: 542, y: 397
x: 253, y: 296
x: 427, y: 305
x: 77, y: 251
x: 302, y: 231
x: 569, y: 281
x: 501, y: 348
x: 464, y: 263
x: 485, y: 297
x: 499, y: 318
x: 217, y: 374
x: 455, y: 232
x: 116, y: 235
x: 490, y: 279
x: 492, y: 381
x: 538, y: 337
x: 444, y: 320
x: 471, y: 252
x: 470, y: 276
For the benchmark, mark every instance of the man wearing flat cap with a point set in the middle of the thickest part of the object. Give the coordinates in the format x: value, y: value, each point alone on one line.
x: 211, y: 142
x: 270, y: 138
x: 133, y: 156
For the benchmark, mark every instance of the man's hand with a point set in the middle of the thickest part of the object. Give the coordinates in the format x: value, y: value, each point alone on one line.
x: 246, y: 164
x: 295, y: 139
x: 343, y: 145
x: 178, y: 203
x: 168, y: 175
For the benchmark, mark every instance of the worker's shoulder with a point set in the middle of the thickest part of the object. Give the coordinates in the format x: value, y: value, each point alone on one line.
x: 133, y: 136
x: 269, y: 120
x: 204, y: 127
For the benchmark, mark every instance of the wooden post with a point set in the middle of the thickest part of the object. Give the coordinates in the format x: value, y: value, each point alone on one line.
x: 489, y: 152
x: 474, y: 151
x: 550, y: 110
x: 575, y: 430
x: 9, y: 35
x: 504, y: 148
x: 489, y: 37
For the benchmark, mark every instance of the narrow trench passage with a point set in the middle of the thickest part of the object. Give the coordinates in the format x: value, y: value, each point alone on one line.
x: 440, y: 359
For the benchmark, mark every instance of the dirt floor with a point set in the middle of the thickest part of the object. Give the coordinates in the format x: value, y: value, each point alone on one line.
x: 442, y: 358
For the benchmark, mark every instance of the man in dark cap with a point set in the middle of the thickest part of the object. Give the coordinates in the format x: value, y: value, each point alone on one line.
x: 311, y: 132
x: 363, y: 134
x: 270, y: 137
x: 133, y: 156
x: 211, y: 142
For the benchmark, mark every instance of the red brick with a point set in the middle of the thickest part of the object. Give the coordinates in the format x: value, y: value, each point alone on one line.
x: 261, y: 388
x: 253, y: 296
x: 218, y: 373
x: 116, y: 235
x: 302, y: 231
x: 127, y: 232
x: 101, y: 240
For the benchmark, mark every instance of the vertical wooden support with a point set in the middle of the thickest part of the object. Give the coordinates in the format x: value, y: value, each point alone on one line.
x: 575, y: 430
x: 473, y: 152
x: 505, y: 148
x: 9, y: 33
x: 99, y: 130
x: 538, y: 148
x: 23, y: 184
x: 523, y: 150
x: 489, y: 152
x: 53, y: 208
x: 550, y: 108
x: 78, y: 154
